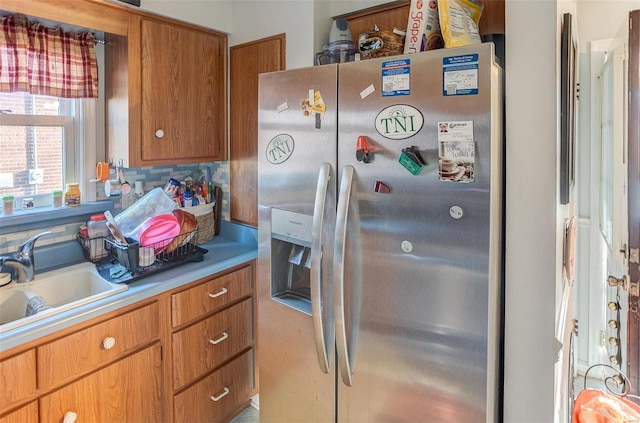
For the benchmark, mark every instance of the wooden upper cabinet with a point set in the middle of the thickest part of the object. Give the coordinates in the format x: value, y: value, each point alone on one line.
x: 169, y: 105
x: 247, y: 61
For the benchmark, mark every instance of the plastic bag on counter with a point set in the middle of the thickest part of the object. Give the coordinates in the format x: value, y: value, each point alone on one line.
x: 459, y: 22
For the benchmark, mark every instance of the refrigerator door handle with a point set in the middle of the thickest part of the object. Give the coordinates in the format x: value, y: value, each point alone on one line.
x: 316, y: 265
x: 344, y: 198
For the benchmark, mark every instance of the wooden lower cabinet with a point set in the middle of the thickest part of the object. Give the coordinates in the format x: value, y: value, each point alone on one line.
x: 26, y: 414
x: 219, y: 396
x: 129, y: 390
x: 185, y: 355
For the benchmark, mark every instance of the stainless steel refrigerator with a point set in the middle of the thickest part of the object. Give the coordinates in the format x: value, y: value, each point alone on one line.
x: 380, y: 240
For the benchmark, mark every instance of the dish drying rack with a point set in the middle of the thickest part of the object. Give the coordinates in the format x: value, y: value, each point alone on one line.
x: 119, y: 263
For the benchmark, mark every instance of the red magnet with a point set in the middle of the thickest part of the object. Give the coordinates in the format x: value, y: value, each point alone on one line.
x: 362, y: 150
x: 381, y: 187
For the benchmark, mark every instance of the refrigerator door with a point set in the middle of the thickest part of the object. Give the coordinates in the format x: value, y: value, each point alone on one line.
x: 417, y: 264
x: 296, y: 212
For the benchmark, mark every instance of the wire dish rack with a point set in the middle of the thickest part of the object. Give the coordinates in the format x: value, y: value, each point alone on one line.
x: 131, y: 261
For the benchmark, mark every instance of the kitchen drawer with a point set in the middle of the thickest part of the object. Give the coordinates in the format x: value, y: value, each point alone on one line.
x: 26, y: 414
x: 205, y: 345
x: 17, y: 378
x: 218, y: 396
x: 89, y: 348
x: 128, y: 390
x: 209, y: 296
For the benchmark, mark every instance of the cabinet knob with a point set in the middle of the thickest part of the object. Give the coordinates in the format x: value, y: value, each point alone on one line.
x: 159, y: 133
x: 108, y: 342
x: 69, y: 417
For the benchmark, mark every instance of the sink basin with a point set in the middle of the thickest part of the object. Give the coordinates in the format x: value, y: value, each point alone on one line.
x: 63, y: 289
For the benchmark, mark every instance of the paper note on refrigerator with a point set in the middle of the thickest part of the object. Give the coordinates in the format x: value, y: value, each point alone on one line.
x: 457, y: 161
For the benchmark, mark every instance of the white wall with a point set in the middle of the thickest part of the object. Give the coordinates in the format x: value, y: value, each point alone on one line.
x: 532, y: 209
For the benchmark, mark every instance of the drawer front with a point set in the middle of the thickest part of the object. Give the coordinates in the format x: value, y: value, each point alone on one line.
x: 26, y: 414
x: 205, y: 345
x: 89, y: 348
x: 128, y: 390
x: 217, y: 397
x: 209, y: 296
x: 17, y: 378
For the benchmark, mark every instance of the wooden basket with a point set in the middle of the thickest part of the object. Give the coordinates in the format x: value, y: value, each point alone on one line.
x: 206, y: 221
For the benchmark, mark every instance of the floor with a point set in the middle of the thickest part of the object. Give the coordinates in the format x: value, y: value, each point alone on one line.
x: 248, y: 415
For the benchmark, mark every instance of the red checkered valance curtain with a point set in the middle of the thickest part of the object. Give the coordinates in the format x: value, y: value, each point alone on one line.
x: 41, y: 60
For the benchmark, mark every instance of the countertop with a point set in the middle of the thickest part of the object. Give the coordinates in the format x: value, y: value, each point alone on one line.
x: 236, y: 244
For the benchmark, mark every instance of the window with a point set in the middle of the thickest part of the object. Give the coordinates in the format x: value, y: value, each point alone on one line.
x: 37, y: 141
x: 47, y: 142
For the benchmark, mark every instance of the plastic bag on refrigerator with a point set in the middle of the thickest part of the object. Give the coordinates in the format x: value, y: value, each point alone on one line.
x: 459, y: 22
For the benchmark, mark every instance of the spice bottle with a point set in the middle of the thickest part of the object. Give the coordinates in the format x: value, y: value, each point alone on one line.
x: 97, y: 231
x: 7, y: 204
x: 56, y: 199
x: 72, y: 195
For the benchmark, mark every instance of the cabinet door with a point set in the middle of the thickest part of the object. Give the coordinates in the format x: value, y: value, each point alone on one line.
x: 17, y: 378
x: 183, y: 93
x: 130, y: 390
x: 246, y: 62
x: 26, y: 414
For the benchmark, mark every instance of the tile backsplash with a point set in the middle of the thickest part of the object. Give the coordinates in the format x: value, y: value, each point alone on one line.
x: 151, y: 177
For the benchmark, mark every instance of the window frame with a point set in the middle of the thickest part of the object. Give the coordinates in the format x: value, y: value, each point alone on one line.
x: 84, y: 140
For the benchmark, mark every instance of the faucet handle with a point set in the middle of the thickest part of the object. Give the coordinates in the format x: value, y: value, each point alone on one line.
x: 26, y: 248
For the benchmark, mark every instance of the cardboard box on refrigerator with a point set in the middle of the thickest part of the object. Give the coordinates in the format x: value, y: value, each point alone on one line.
x: 423, y: 27
x: 415, y: 27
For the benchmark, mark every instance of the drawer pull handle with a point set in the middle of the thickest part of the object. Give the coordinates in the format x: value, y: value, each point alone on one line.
x: 224, y: 336
x: 217, y: 294
x: 108, y: 342
x: 219, y: 397
x: 69, y: 417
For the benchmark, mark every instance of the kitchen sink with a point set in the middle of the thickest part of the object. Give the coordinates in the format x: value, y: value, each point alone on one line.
x: 62, y: 289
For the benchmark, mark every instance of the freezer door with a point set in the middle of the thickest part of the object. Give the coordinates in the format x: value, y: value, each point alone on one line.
x: 417, y: 264
x: 296, y: 195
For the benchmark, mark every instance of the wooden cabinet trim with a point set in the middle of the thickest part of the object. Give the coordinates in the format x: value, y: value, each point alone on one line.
x: 92, y: 15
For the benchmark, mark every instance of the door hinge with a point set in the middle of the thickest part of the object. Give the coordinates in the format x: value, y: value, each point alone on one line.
x: 634, y: 255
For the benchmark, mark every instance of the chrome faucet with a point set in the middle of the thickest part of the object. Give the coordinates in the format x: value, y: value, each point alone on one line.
x: 22, y: 260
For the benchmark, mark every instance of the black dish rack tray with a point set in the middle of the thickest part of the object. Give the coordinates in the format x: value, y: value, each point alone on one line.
x: 122, y: 262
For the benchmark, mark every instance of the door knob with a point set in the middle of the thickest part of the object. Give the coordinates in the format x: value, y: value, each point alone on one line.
x: 621, y: 282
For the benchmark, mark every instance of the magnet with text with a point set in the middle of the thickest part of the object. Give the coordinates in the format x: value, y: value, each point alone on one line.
x: 412, y: 159
x: 363, y: 153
